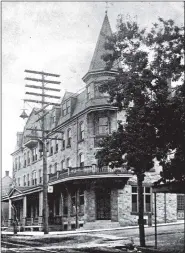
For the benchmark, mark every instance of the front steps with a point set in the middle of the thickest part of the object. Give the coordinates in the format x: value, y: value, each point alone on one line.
x: 100, y: 224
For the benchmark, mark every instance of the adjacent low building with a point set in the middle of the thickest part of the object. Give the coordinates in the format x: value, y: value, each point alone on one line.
x: 80, y: 194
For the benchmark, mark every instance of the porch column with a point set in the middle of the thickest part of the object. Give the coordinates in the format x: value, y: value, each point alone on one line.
x: 61, y: 210
x: 9, y: 212
x: 24, y: 210
x: 69, y: 211
x: 61, y: 205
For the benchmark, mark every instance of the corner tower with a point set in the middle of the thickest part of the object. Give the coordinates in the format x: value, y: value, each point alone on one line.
x: 97, y: 71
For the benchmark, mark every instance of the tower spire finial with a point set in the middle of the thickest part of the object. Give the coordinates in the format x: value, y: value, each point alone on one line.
x: 106, y: 8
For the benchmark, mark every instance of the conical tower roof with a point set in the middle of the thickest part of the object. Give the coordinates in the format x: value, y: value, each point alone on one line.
x: 97, y: 62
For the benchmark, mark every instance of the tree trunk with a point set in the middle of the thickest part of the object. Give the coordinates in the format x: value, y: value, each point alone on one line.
x: 140, y: 179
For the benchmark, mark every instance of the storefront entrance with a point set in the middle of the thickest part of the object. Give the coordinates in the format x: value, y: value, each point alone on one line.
x: 103, y: 206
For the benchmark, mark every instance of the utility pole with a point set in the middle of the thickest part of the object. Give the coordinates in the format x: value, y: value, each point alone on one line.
x: 43, y: 104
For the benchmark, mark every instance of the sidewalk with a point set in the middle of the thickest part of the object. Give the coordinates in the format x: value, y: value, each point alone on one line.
x: 79, y: 232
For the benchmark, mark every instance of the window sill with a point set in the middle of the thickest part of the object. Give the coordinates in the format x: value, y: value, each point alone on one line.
x: 55, y: 152
x: 145, y: 213
x: 62, y: 149
x: 80, y: 140
x: 69, y: 146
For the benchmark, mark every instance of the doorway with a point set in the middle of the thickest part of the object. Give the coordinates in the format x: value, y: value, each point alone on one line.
x: 103, y: 204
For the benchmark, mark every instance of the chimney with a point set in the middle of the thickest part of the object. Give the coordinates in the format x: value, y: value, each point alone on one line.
x: 7, y: 173
x: 19, y: 138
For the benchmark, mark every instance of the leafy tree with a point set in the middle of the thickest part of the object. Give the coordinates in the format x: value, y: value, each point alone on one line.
x: 146, y: 61
x: 167, y: 42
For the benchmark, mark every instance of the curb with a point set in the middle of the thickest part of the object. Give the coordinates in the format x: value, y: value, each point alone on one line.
x: 53, y: 233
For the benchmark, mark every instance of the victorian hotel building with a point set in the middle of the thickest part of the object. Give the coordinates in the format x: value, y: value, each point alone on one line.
x: 82, y: 194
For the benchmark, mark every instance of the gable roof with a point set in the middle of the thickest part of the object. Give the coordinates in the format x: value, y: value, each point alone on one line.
x: 67, y: 95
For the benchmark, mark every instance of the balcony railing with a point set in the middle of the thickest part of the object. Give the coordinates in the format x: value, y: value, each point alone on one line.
x: 86, y: 171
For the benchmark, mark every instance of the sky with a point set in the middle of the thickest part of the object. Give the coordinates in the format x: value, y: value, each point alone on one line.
x: 60, y: 38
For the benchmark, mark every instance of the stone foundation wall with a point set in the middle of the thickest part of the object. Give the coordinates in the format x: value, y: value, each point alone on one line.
x: 165, y: 212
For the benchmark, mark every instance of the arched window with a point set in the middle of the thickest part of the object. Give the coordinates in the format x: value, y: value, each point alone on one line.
x: 24, y: 180
x: 68, y: 162
x: 24, y: 160
x: 28, y: 179
x: 62, y: 165
x: 69, y: 137
x: 55, y: 168
x: 50, y: 169
x: 28, y: 157
x: 81, y: 134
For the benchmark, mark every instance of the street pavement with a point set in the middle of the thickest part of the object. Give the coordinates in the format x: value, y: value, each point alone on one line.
x: 109, y: 240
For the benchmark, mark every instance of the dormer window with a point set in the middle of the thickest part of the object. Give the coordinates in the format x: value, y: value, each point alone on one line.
x: 66, y: 108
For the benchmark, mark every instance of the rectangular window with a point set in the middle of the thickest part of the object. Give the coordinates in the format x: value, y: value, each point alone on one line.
x: 81, y: 137
x: 103, y: 126
x: 51, y: 148
x: 19, y: 163
x: 34, y: 178
x: 147, y: 198
x: 64, y: 109
x: 16, y: 164
x: 34, y: 154
x: 56, y: 145
x: 180, y: 202
x: 68, y: 105
x: 81, y: 158
x: 19, y: 181
x: 63, y: 141
x: 69, y: 138
x: 28, y: 179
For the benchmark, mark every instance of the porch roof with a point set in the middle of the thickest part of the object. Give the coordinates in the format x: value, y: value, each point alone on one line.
x: 21, y: 191
x: 171, y: 187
